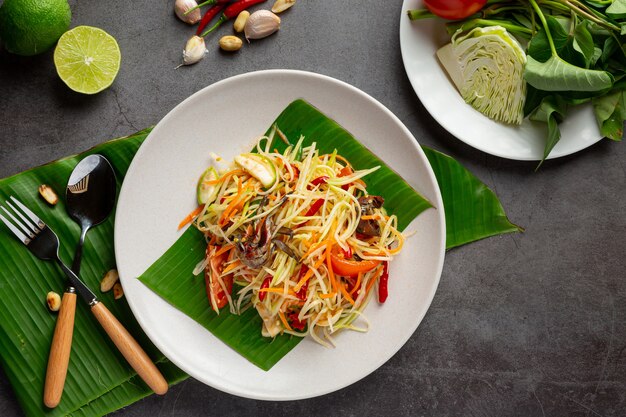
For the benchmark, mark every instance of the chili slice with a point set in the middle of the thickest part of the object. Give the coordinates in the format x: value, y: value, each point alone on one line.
x: 305, y: 287
x: 265, y: 284
x: 315, y: 207
x: 295, y: 322
x: 383, y: 291
x: 319, y: 180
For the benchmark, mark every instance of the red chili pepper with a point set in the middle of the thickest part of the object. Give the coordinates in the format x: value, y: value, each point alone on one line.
x: 303, y: 290
x: 233, y: 11
x: 319, y: 180
x: 347, y: 253
x: 345, y: 171
x: 382, y: 283
x: 265, y: 284
x: 315, y: 207
x: 296, y: 323
x: 208, y: 16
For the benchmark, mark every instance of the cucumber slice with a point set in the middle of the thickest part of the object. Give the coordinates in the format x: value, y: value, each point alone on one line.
x: 259, y: 166
x: 207, y: 192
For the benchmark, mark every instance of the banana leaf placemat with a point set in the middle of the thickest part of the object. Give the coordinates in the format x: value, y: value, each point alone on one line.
x: 99, y: 381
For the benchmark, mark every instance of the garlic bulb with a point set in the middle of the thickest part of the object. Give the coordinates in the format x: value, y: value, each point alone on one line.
x: 194, y: 51
x: 182, y: 6
x: 260, y: 24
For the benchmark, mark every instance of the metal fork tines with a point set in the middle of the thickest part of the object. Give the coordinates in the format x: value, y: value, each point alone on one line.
x: 25, y: 230
x: 30, y: 229
x: 39, y: 239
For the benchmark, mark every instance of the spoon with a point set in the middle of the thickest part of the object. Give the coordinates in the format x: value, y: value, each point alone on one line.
x: 89, y: 197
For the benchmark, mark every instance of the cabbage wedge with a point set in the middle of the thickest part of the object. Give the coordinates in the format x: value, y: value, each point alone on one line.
x: 487, y: 67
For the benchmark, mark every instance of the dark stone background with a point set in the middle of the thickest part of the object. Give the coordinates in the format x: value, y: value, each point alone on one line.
x: 528, y: 324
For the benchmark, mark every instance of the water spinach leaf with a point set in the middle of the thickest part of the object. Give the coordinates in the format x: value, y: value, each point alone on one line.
x: 558, y: 75
x: 551, y: 111
x: 610, y: 112
x: 617, y: 10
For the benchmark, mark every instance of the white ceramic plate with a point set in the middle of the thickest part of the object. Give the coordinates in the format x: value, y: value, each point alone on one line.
x: 419, y: 41
x: 159, y: 190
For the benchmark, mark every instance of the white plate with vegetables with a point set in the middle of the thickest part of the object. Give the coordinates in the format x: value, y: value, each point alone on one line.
x: 160, y: 189
x: 419, y: 41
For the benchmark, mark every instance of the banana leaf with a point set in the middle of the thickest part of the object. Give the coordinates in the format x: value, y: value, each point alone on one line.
x: 99, y: 381
x: 171, y: 275
x: 473, y: 211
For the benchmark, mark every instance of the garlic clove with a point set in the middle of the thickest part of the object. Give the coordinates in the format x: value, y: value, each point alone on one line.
x: 194, y: 51
x: 241, y: 20
x: 282, y: 5
x: 181, y: 7
x: 260, y: 24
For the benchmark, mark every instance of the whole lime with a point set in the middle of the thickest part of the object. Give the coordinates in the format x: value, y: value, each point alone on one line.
x: 30, y: 27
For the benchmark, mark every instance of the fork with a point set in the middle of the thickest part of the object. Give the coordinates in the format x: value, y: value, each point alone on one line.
x: 44, y: 244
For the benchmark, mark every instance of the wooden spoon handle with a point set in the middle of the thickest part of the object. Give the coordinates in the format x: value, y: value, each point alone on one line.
x: 130, y: 349
x: 60, y: 351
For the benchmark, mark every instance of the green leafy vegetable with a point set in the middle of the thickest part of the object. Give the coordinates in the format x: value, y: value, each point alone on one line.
x: 558, y: 75
x: 551, y: 111
x: 576, y: 53
x: 611, y: 112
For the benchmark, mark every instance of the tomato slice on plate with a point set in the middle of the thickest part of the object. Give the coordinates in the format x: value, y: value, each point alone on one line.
x: 454, y: 9
x: 215, y: 292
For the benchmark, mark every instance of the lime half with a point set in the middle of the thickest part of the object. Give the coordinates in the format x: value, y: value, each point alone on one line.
x: 87, y: 59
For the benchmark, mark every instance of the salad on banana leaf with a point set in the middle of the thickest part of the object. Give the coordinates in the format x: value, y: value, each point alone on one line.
x: 514, y: 59
x: 296, y: 236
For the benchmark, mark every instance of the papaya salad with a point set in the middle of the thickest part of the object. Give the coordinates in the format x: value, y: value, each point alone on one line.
x: 296, y: 236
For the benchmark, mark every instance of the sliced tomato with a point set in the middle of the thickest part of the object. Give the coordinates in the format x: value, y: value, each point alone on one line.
x: 215, y: 292
x: 454, y: 9
x: 349, y: 267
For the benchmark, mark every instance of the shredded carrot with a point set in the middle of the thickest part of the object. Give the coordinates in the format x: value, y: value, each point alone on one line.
x: 223, y: 249
x: 329, y: 295
x: 343, y: 290
x: 225, y: 176
x: 315, y: 247
x: 234, y: 206
x: 284, y: 320
x: 278, y: 290
x: 231, y: 267
x: 373, y: 280
x: 308, y: 274
x: 329, y: 266
x: 396, y: 250
x: 190, y: 217
x: 358, y: 283
x: 370, y: 217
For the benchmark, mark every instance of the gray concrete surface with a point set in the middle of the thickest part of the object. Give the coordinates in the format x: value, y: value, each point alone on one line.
x: 522, y: 325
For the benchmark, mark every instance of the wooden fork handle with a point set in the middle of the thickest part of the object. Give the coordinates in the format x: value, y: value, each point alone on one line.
x: 130, y: 349
x: 60, y: 351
